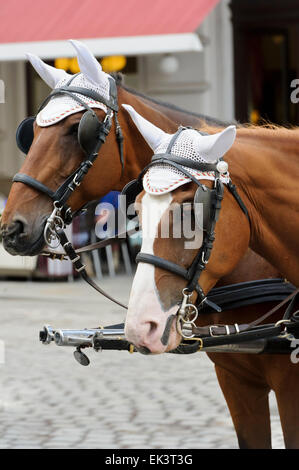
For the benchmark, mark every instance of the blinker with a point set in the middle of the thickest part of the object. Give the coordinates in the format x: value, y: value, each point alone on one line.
x: 131, y: 191
x: 88, y: 131
x: 202, y: 207
x: 24, y: 134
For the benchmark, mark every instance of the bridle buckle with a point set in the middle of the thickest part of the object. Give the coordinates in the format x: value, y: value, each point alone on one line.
x: 185, y: 320
x: 54, y: 222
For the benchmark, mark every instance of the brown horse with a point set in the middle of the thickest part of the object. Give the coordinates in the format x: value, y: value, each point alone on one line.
x: 157, y: 289
x: 55, y: 154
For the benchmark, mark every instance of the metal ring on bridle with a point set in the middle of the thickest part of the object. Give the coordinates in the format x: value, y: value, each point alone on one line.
x: 53, y: 223
x: 279, y: 322
x: 203, y: 259
x: 187, y: 314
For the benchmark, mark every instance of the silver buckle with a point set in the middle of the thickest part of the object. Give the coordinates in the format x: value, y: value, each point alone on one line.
x: 211, y: 330
x: 217, y: 326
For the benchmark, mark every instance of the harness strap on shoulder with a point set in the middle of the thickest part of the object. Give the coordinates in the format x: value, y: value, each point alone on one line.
x: 120, y: 141
x: 234, y: 192
x: 242, y: 294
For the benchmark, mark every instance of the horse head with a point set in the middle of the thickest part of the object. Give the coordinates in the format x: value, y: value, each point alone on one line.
x: 183, y: 187
x: 81, y: 109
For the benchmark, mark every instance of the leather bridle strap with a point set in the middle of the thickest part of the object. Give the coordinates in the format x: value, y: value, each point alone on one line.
x: 26, y: 179
x: 163, y: 264
x: 198, y: 166
x: 168, y: 158
x: 216, y: 335
x: 62, y: 194
x: 111, y: 103
x: 93, y: 246
x: 193, y: 273
x: 62, y: 213
x: 291, y: 297
x: 80, y: 268
x: 234, y: 192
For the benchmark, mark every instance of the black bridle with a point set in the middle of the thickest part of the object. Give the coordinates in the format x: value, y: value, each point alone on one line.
x: 193, y: 273
x: 92, y: 134
x: 62, y: 213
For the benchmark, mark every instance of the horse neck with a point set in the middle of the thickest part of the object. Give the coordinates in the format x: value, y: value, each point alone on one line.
x: 137, y: 154
x: 263, y: 164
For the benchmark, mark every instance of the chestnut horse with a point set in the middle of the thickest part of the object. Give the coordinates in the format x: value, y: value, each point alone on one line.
x: 245, y: 379
x: 271, y: 230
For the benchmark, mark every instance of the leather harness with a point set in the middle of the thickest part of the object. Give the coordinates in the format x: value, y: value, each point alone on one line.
x: 62, y: 215
x: 102, y: 129
x: 192, y: 274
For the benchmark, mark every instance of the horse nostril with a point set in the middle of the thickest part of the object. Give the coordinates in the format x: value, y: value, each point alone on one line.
x: 15, y: 230
x: 152, y: 327
x: 19, y: 227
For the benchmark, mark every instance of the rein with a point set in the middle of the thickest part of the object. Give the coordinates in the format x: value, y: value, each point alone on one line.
x: 218, y: 335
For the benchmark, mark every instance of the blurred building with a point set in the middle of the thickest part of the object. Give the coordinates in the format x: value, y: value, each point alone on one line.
x: 229, y: 59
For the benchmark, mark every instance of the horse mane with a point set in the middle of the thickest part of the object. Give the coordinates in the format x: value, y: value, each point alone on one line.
x: 269, y: 138
x: 120, y: 81
x: 268, y: 129
x: 264, y: 129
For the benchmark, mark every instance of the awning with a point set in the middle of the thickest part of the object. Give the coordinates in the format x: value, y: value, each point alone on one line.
x: 109, y: 27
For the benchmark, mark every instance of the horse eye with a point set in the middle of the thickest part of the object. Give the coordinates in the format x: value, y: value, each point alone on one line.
x: 73, y: 130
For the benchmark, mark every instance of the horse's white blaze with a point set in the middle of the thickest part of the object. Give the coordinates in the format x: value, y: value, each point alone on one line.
x: 144, y: 307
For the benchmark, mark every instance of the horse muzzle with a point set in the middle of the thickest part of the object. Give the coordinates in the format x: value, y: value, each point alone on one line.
x: 17, y: 240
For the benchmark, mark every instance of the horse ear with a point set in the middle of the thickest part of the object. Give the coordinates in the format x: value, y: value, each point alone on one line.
x: 88, y: 64
x: 49, y: 74
x: 214, y: 146
x: 152, y: 134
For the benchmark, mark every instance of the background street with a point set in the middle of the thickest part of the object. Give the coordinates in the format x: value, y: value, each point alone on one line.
x: 120, y: 401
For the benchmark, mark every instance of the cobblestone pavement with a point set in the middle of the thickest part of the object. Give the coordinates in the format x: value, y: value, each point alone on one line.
x: 121, y: 401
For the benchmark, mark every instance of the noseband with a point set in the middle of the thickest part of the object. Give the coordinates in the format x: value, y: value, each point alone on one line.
x: 91, y: 135
x: 188, y: 311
